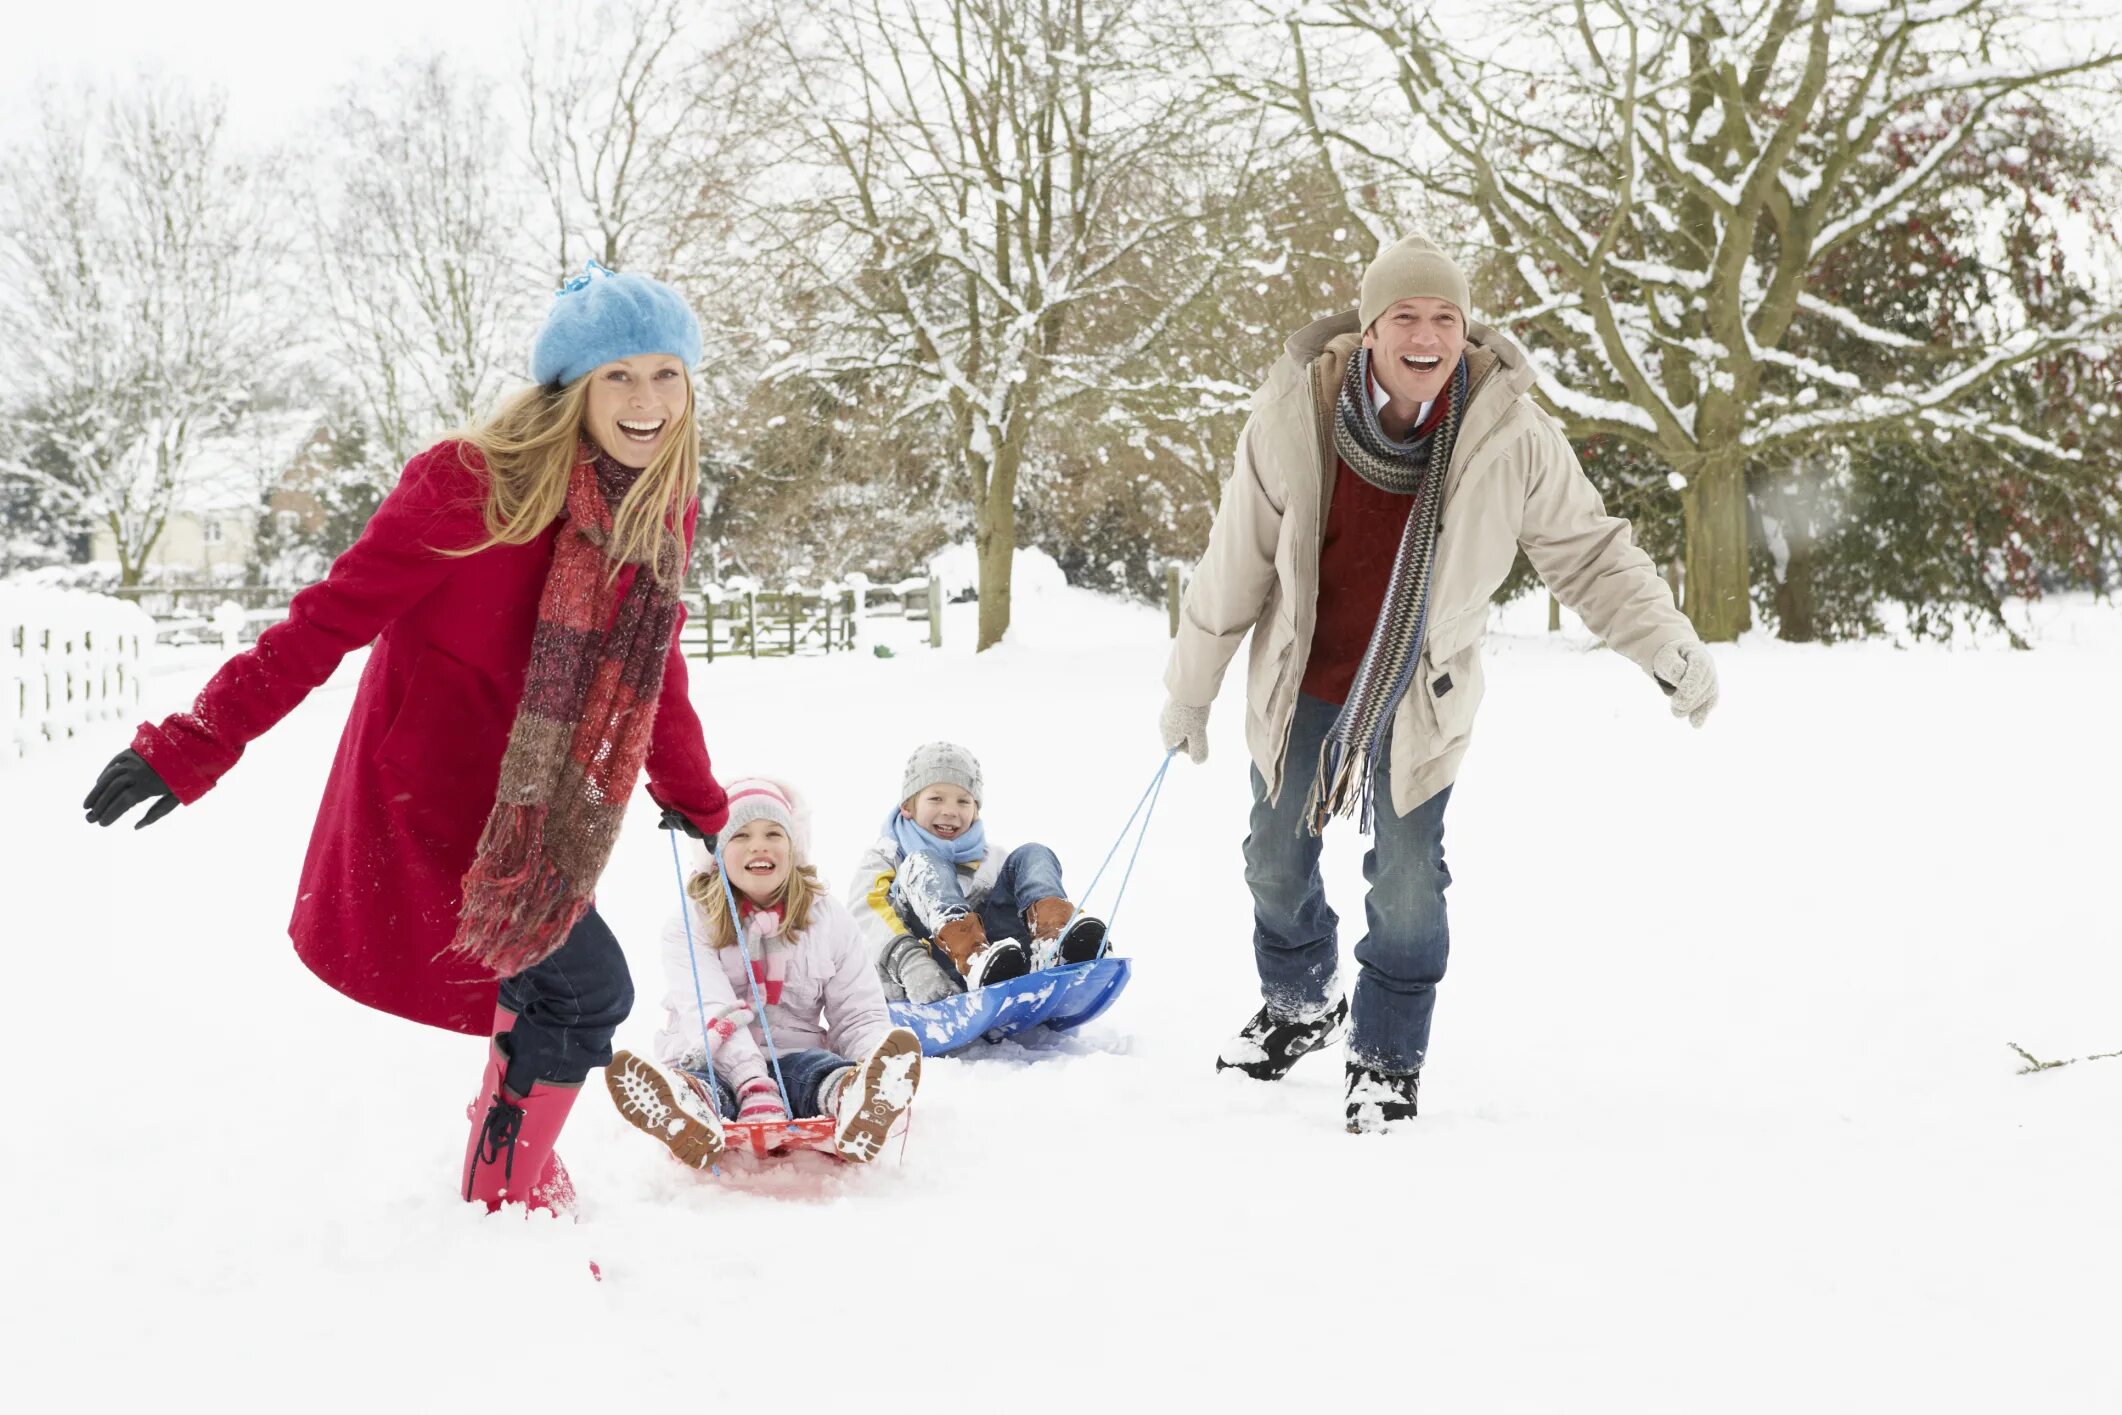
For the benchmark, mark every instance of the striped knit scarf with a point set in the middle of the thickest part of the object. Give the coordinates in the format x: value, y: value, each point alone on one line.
x: 581, y: 731
x: 768, y: 947
x: 1349, y: 756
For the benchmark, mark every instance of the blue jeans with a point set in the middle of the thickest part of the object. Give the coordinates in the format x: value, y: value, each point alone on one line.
x: 1400, y: 960
x: 806, y: 1073
x: 927, y: 894
x: 567, y: 1008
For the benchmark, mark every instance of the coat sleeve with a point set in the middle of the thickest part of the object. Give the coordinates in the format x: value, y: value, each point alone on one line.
x: 1231, y: 583
x: 680, y: 776
x: 856, y: 1015
x: 1590, y: 559
x: 438, y: 504
x: 679, y: 1044
x: 875, y: 919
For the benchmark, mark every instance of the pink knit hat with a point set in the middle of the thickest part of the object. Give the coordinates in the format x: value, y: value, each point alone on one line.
x: 755, y: 798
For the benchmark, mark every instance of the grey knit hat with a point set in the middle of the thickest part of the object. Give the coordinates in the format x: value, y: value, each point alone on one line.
x: 940, y: 761
x: 1411, y: 267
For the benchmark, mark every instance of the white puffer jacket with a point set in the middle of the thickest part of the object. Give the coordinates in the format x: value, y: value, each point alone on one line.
x: 831, y: 996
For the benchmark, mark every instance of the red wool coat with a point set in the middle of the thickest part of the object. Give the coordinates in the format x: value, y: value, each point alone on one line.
x: 420, y: 759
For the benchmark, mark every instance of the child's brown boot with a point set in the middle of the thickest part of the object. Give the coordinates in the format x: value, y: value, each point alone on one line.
x: 1061, y: 936
x: 979, y: 962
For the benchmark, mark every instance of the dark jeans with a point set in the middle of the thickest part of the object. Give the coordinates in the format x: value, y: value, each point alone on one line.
x: 567, y: 1008
x: 927, y: 895
x: 806, y: 1073
x: 1400, y: 960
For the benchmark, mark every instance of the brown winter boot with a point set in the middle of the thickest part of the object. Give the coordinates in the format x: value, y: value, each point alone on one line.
x: 977, y: 960
x: 1083, y: 941
x: 1047, y: 918
x: 964, y: 939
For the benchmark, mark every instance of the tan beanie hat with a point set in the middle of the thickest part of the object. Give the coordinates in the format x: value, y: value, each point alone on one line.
x: 1410, y: 267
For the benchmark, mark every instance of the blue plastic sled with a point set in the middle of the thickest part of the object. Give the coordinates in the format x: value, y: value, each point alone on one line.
x: 1061, y: 998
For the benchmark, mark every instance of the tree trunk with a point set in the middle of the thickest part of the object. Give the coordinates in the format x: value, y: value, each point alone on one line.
x: 995, y: 528
x: 128, y: 567
x: 1795, y: 619
x: 996, y: 540
x: 1715, y: 508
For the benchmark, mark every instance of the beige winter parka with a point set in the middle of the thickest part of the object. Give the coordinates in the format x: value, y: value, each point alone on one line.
x: 1513, y: 481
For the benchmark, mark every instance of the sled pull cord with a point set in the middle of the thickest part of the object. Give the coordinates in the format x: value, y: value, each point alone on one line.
x: 1148, y: 801
x: 751, y: 979
x: 685, y: 912
x: 685, y: 915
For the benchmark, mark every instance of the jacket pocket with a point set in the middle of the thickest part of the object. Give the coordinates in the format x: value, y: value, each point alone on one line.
x: 1270, y: 675
x: 1451, y: 692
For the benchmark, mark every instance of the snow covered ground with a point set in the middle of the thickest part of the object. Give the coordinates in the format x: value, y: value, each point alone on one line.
x: 1720, y: 1114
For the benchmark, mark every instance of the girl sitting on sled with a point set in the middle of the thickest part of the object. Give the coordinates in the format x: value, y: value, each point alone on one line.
x: 840, y: 1058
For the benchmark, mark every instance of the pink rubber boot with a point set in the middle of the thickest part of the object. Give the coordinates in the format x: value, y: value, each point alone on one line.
x: 554, y: 1189
x: 512, y: 1139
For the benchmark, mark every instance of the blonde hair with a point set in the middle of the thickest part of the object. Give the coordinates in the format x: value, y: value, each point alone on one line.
x: 530, y: 445
x: 794, y: 899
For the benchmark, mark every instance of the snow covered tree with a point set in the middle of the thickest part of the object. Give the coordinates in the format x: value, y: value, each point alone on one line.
x: 417, y: 232
x: 136, y: 260
x: 964, y: 177
x: 1129, y: 482
x: 1665, y: 181
x: 632, y: 129
x: 36, y: 529
x: 814, y: 479
x: 1946, y: 526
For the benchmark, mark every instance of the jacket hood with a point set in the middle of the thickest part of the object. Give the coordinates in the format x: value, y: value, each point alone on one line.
x: 1514, y: 365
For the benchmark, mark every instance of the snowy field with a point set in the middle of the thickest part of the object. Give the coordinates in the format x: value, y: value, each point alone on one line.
x: 1720, y: 1114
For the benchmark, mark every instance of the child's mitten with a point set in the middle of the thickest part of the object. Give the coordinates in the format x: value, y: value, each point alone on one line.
x: 909, y: 964
x: 723, y: 1020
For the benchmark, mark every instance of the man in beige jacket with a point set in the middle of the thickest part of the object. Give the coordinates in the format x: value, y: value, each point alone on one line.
x: 1392, y: 466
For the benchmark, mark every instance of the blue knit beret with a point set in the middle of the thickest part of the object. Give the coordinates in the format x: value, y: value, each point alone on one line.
x: 599, y: 316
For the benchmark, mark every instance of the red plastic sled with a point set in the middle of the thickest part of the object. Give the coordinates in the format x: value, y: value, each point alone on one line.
x: 764, y: 1139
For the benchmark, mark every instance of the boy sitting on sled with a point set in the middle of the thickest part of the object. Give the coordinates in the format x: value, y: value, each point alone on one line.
x: 809, y: 965
x: 943, y: 908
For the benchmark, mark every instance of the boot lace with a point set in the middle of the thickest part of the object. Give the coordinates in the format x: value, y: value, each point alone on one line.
x: 497, y: 1140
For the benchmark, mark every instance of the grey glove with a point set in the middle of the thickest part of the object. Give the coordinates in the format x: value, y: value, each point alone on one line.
x: 1685, y: 670
x: 909, y: 964
x: 1184, y: 726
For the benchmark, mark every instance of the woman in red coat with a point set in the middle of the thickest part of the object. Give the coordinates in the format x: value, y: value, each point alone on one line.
x: 520, y: 587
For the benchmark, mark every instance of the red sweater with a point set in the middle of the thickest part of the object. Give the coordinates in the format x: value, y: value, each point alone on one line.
x: 1363, y: 530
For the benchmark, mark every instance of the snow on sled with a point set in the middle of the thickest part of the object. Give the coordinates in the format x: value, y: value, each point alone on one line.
x: 1062, y: 998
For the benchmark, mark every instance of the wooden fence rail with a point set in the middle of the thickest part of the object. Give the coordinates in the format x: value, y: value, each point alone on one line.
x: 69, y: 661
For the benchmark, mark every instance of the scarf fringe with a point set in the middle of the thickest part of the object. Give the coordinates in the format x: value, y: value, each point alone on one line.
x: 1342, y: 786
x: 518, y: 909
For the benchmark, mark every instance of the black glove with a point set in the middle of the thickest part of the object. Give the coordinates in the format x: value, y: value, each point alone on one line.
x: 678, y: 820
x: 125, y: 783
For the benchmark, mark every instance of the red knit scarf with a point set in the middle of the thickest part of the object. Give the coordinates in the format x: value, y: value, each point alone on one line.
x: 581, y: 732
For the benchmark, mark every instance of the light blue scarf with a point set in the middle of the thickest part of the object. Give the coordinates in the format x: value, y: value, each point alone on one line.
x: 968, y: 849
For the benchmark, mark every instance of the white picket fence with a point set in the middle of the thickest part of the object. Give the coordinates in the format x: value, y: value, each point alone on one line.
x: 69, y: 660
